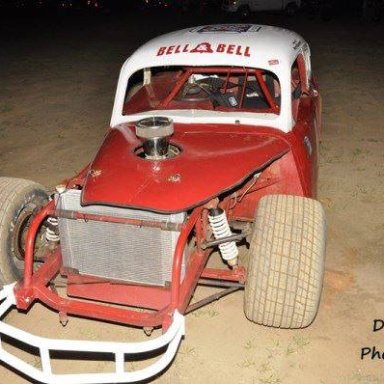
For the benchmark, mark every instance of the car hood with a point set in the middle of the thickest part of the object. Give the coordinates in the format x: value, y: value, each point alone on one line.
x: 213, y: 159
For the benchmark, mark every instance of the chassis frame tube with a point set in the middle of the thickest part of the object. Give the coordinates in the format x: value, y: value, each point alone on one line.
x: 74, y: 215
x: 34, y: 287
x: 30, y: 241
x: 171, y: 338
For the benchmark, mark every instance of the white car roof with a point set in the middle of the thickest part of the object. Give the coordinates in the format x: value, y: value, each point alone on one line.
x: 208, y: 45
x: 245, y: 45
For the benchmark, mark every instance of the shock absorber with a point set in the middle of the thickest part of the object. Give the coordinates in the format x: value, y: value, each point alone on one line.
x: 52, y: 230
x: 220, y: 228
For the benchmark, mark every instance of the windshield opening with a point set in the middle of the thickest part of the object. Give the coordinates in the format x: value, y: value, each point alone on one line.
x: 224, y: 89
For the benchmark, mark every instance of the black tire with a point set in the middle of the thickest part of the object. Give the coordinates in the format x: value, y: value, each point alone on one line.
x: 19, y: 199
x: 244, y: 12
x: 286, y: 262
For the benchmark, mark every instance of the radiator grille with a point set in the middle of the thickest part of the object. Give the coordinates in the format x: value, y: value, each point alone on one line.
x: 117, y: 251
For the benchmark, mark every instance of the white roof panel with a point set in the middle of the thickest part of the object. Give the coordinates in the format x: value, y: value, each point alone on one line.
x: 226, y: 44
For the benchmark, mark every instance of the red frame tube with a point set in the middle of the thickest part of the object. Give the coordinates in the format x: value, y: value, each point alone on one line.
x: 30, y: 241
x: 273, y: 107
x: 244, y: 89
x: 177, y: 88
x: 140, y: 296
x: 266, y: 92
x: 74, y: 215
x: 178, y: 257
x: 237, y: 274
x: 227, y: 81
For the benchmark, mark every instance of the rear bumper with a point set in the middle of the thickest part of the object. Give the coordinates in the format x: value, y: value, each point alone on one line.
x: 119, y: 350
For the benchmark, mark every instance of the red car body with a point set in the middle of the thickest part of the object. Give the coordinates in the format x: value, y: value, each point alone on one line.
x: 289, y: 167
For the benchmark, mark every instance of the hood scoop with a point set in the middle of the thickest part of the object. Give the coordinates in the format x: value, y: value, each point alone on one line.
x: 155, y: 133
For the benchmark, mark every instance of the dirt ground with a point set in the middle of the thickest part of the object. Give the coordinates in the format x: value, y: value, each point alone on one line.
x: 57, y: 82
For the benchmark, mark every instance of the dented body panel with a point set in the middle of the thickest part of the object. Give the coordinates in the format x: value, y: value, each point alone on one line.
x: 213, y: 159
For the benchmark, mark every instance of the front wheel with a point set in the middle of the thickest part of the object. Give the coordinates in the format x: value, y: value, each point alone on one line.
x: 19, y: 200
x: 286, y: 262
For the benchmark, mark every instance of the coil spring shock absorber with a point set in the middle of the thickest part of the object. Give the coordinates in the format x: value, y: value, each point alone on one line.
x: 52, y: 230
x: 220, y: 228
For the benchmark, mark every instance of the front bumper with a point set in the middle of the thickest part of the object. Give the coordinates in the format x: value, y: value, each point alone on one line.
x: 171, y: 338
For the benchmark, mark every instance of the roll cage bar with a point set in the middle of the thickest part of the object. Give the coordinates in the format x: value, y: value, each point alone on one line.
x: 258, y: 73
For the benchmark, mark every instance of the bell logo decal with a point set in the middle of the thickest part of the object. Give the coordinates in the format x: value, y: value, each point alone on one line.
x: 202, y: 48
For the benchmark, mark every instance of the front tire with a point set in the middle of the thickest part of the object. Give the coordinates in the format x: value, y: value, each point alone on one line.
x: 286, y: 262
x: 19, y: 200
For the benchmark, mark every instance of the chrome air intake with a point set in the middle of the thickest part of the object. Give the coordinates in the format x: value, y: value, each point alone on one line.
x: 155, y: 133
x: 117, y: 251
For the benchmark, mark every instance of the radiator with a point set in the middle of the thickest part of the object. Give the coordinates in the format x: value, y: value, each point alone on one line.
x: 117, y: 251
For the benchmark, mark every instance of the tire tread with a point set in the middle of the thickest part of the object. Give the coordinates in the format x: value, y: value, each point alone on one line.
x: 286, y: 263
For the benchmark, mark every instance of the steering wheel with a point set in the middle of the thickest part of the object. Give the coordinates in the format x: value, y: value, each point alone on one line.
x: 193, y: 92
x: 208, y: 90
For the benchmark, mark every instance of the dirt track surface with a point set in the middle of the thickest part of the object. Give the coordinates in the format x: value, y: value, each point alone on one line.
x: 56, y: 93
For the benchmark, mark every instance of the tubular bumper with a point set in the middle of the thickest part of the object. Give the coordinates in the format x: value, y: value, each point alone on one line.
x: 171, y: 338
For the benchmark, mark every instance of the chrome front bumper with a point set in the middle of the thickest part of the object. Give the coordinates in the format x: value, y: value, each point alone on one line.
x: 45, y: 346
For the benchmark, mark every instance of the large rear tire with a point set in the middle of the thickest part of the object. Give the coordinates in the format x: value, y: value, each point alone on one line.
x: 286, y: 262
x: 19, y: 200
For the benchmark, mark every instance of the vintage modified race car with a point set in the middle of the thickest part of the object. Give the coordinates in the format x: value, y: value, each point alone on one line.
x: 213, y: 145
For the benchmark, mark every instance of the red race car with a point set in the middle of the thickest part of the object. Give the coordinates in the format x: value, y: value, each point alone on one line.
x: 213, y: 145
